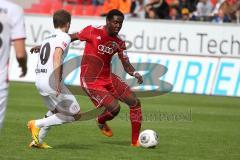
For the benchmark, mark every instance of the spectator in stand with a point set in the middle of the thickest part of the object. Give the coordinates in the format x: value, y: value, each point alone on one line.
x: 220, y: 17
x: 137, y: 8
x: 190, y: 5
x: 214, y: 2
x: 133, y: 6
x: 185, y: 14
x: 172, y: 3
x: 174, y: 14
x: 204, y: 9
x: 230, y: 8
x: 108, y: 5
x: 152, y: 14
x: 123, y: 5
x: 160, y: 7
x: 216, y: 7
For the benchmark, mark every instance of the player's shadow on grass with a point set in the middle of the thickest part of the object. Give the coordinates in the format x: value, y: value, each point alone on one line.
x: 119, y: 143
x: 74, y: 146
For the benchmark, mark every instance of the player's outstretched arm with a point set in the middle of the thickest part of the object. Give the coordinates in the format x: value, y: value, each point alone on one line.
x: 19, y: 46
x: 130, y: 69
x: 74, y: 37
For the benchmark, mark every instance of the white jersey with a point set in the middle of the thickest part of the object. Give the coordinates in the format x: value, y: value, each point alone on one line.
x: 45, y: 66
x: 11, y: 28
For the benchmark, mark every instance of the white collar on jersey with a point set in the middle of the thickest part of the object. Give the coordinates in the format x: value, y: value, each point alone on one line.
x: 58, y: 30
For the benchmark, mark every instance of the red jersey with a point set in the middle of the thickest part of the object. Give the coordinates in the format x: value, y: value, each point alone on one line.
x: 98, y: 52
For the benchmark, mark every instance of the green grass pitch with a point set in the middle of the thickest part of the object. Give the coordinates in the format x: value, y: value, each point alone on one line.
x: 190, y: 127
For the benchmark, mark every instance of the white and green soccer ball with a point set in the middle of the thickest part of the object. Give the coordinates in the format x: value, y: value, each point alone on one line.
x: 148, y: 138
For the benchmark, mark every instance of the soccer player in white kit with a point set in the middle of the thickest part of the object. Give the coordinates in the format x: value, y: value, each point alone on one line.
x: 63, y: 108
x: 11, y: 29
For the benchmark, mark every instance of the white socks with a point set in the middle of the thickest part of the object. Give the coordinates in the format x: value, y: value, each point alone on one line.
x: 49, y: 121
x: 42, y: 133
x: 45, y: 123
x: 55, y: 119
x: 44, y: 130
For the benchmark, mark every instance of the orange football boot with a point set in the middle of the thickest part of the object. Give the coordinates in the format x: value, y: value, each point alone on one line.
x: 136, y: 144
x: 105, y: 129
x: 34, y: 130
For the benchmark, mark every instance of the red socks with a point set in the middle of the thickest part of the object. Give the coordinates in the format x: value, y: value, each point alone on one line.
x: 106, y: 116
x: 136, y: 120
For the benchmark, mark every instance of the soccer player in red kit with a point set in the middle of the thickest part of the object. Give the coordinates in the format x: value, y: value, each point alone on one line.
x: 102, y: 86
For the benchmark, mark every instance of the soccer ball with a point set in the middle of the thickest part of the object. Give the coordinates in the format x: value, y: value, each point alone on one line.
x: 148, y: 138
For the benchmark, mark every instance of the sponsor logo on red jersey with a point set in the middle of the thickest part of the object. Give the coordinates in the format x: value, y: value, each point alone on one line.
x: 104, y: 49
x: 108, y: 48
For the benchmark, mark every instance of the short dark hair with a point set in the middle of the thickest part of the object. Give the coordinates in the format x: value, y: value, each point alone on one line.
x: 114, y: 12
x: 61, y: 18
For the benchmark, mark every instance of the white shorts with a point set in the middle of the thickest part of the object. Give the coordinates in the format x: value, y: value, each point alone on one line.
x: 3, y: 105
x: 64, y: 103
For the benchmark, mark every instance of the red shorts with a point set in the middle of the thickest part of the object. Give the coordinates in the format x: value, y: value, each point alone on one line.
x: 102, y: 93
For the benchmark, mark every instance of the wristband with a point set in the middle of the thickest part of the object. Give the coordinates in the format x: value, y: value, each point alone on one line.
x: 134, y: 73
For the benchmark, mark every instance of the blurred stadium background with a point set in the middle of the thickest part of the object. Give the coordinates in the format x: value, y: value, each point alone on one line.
x: 199, y: 43
x: 217, y: 11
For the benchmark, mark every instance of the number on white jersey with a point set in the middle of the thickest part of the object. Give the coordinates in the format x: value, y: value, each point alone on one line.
x: 45, y: 53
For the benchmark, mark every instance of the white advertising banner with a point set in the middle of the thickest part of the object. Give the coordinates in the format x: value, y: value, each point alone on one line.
x: 164, y: 37
x: 200, y: 58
